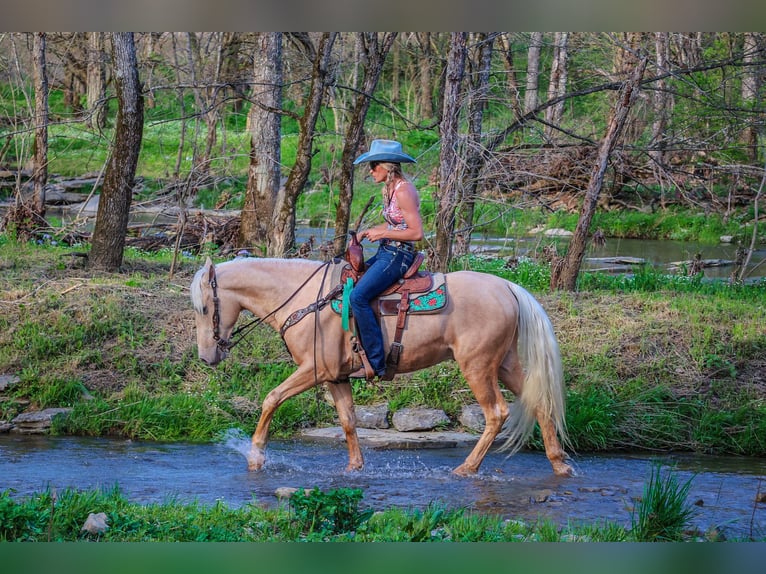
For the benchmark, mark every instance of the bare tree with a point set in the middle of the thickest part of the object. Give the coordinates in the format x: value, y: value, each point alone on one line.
x: 96, y: 81
x: 375, y: 48
x: 557, y: 85
x: 564, y: 272
x: 263, y: 176
x: 481, y: 61
x: 282, y: 237
x: 425, y: 88
x: 108, y: 238
x: 533, y: 72
x: 751, y: 83
x: 41, y: 122
x: 661, y: 103
x: 447, y: 194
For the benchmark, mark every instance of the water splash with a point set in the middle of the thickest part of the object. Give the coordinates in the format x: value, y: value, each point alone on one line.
x: 236, y: 439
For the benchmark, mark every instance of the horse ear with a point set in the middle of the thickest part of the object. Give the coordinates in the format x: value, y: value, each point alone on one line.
x: 208, y: 263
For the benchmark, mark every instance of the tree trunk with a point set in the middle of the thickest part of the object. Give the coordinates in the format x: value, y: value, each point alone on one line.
x: 751, y: 82
x: 511, y: 81
x: 557, y: 86
x: 661, y: 107
x: 114, y: 204
x: 474, y: 154
x: 564, y: 272
x: 533, y: 72
x: 282, y: 237
x: 96, y: 88
x: 426, y: 83
x: 376, y: 48
x: 40, y: 175
x: 447, y: 193
x: 264, y: 175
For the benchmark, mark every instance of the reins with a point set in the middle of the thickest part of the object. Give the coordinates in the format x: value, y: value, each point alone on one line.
x: 225, y: 345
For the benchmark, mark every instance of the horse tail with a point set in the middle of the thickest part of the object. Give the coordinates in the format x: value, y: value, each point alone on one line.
x: 543, y: 388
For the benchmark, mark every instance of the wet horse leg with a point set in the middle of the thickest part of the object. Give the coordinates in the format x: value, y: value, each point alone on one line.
x: 487, y: 392
x: 512, y: 376
x: 301, y: 380
x: 344, y: 404
x: 556, y: 455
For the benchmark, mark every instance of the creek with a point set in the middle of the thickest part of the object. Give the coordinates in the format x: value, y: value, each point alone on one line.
x: 724, y: 490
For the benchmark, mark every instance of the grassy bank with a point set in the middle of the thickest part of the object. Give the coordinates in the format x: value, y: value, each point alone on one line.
x: 652, y: 362
x: 338, y: 515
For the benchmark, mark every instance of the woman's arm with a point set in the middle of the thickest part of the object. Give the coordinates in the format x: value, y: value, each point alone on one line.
x: 409, y: 204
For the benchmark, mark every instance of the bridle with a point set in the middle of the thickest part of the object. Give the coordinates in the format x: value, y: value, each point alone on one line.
x: 225, y: 345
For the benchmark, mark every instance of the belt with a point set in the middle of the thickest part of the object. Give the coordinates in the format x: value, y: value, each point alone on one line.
x: 404, y: 245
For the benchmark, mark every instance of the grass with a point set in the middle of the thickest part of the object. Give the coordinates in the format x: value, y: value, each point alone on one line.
x: 663, y: 513
x: 650, y: 363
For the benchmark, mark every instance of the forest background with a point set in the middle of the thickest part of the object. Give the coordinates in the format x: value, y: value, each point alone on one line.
x: 648, y: 135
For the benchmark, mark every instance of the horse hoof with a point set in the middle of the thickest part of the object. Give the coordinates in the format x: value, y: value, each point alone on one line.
x: 255, y: 459
x: 564, y: 470
x: 464, y: 471
x: 354, y: 467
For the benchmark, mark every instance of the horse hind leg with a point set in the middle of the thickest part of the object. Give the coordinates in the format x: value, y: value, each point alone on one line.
x: 512, y: 377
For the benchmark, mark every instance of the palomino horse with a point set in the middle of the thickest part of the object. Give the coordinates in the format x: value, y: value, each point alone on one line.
x: 489, y: 326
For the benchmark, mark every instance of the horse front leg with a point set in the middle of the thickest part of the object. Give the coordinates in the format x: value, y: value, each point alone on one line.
x: 301, y: 380
x: 344, y: 405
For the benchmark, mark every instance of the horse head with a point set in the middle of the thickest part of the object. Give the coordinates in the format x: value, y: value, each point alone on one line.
x: 216, y: 312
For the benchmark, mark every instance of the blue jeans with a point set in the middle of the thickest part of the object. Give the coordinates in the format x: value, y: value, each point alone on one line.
x: 383, y: 269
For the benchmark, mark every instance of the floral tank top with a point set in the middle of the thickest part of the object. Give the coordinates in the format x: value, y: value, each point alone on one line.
x: 392, y: 213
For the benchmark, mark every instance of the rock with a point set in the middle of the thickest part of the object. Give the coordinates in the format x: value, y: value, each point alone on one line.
x: 7, y: 381
x: 372, y: 416
x: 37, y: 422
x: 95, y: 524
x: 393, y: 439
x: 286, y: 492
x: 418, y: 419
x: 558, y: 233
x: 726, y: 238
x: 5, y: 427
x: 472, y: 417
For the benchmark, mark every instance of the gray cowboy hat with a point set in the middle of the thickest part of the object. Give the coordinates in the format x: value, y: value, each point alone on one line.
x: 385, y: 150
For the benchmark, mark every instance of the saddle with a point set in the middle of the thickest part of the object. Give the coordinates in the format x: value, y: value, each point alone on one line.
x: 408, y: 293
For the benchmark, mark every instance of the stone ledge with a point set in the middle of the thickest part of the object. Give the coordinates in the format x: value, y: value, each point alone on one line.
x: 389, y: 438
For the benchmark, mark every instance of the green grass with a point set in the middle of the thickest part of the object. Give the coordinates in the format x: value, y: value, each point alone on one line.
x: 663, y: 513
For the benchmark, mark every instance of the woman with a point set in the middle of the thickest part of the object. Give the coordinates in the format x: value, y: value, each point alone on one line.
x: 397, y: 236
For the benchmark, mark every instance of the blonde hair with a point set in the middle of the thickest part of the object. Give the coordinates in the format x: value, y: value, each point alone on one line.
x: 394, y: 170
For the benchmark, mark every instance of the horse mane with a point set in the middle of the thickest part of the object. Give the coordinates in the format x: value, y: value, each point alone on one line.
x: 196, y: 284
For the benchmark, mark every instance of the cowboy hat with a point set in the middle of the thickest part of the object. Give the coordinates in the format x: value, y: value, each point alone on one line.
x: 385, y: 150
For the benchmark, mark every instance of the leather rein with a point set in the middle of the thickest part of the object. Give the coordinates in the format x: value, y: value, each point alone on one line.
x: 225, y: 345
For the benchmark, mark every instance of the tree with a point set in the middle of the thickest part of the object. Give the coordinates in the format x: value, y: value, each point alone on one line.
x: 481, y: 61
x: 108, y: 238
x: 557, y: 85
x: 533, y: 72
x: 375, y: 48
x: 751, y: 83
x: 447, y: 193
x: 264, y: 175
x: 282, y: 236
x: 564, y: 272
x: 96, y: 81
x: 40, y: 175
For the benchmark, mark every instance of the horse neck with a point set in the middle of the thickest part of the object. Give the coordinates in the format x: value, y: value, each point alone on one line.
x: 263, y: 285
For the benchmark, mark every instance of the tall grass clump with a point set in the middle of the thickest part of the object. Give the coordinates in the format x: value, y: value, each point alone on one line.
x: 663, y: 513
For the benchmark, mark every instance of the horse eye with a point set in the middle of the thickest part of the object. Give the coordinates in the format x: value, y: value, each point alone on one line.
x: 204, y: 310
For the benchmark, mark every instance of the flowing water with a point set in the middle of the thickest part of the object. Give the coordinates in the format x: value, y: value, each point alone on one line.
x: 723, y: 490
